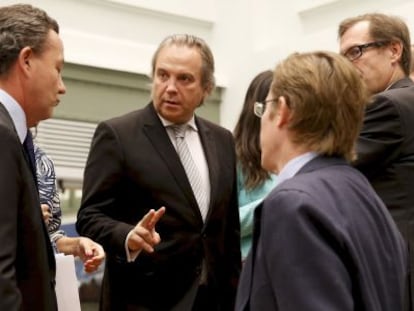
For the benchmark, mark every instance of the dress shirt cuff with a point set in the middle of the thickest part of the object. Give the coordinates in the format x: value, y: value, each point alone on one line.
x: 131, y: 256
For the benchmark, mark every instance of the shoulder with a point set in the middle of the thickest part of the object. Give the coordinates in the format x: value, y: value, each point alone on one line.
x: 300, y: 202
x: 6, y: 123
x: 316, y: 189
x: 395, y: 105
x: 9, y: 136
x: 11, y: 155
x: 129, y: 122
x: 400, y: 95
x: 206, y: 125
x: 127, y: 118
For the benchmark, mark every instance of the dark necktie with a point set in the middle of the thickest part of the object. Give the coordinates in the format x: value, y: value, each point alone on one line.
x: 29, y: 148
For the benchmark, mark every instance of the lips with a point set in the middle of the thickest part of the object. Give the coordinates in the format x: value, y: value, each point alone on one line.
x: 168, y: 102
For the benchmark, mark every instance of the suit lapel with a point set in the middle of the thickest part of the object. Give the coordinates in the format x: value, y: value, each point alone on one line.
x: 159, y: 138
x: 247, y: 276
x: 9, y: 122
x: 210, y: 151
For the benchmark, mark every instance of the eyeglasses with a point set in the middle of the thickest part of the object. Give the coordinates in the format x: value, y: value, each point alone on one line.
x: 355, y: 52
x: 260, y: 107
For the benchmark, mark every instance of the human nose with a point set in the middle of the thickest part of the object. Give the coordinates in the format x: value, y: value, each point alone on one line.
x: 171, y: 85
x: 62, y: 87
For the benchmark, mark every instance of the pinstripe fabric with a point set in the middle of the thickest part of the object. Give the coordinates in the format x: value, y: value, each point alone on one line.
x: 191, y: 170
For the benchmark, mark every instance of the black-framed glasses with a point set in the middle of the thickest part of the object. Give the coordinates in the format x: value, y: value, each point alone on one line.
x: 355, y: 52
x: 260, y: 107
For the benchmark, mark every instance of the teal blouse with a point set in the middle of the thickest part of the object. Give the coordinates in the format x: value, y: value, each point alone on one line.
x: 248, y: 200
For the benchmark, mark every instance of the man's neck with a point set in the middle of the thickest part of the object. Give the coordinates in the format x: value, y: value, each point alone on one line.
x: 397, y: 75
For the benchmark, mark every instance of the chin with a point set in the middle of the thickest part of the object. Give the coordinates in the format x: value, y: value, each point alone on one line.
x: 269, y: 165
x: 265, y: 164
x: 176, y: 118
x: 47, y: 115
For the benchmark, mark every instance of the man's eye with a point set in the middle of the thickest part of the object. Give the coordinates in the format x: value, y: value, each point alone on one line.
x: 185, y: 78
x: 162, y: 76
x: 353, y: 52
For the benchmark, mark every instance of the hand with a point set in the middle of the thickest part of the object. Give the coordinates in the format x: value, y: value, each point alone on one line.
x: 144, y: 236
x: 47, y: 214
x: 91, y: 253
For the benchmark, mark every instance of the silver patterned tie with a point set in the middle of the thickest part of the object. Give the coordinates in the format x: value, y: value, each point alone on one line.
x: 191, y: 169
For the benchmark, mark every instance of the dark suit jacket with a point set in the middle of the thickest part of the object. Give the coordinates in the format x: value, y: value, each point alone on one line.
x: 323, y: 240
x: 27, y: 262
x: 133, y: 167
x: 386, y: 156
x: 386, y: 145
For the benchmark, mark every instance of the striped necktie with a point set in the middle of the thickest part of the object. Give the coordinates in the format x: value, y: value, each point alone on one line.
x: 191, y: 169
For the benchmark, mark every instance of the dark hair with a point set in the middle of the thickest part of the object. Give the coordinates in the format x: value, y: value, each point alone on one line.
x: 207, y: 71
x: 385, y: 28
x: 412, y: 57
x: 21, y: 26
x: 247, y: 132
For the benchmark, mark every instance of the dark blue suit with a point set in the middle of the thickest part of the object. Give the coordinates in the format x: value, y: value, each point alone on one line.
x: 323, y: 240
x: 27, y: 262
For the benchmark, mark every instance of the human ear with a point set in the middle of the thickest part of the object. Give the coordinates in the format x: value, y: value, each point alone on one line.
x: 396, y: 49
x: 24, y: 58
x: 283, y: 111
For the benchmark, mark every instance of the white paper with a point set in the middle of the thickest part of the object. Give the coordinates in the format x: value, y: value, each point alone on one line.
x: 67, y: 291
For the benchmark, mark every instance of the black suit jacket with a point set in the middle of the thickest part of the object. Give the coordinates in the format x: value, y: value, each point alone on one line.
x: 133, y: 167
x: 386, y: 146
x: 386, y: 156
x: 323, y: 240
x: 27, y: 262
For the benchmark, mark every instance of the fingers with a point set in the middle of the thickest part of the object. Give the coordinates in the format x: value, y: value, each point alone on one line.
x: 146, y: 220
x: 90, y: 249
x: 141, y: 239
x: 143, y: 236
x: 90, y: 268
x: 92, y: 264
x: 151, y: 218
x: 156, y: 237
x: 85, y: 248
x: 98, y: 252
x: 156, y: 216
x: 46, y: 212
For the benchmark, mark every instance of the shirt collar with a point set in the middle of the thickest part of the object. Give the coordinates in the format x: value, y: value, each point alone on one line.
x: 16, y: 113
x: 294, y: 165
x: 191, y: 123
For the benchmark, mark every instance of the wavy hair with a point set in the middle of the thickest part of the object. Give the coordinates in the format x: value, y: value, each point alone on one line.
x: 247, y: 132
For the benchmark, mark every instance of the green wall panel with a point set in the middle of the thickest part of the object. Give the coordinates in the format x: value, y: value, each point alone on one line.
x: 95, y: 94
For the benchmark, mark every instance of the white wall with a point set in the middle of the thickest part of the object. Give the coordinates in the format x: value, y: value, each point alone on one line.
x: 246, y: 36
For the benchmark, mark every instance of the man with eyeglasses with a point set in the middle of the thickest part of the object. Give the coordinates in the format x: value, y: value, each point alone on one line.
x: 378, y: 45
x: 318, y: 237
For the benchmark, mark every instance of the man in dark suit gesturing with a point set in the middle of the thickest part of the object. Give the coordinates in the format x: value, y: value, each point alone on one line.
x: 323, y: 239
x: 164, y: 159
x: 378, y: 45
x: 31, y: 59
